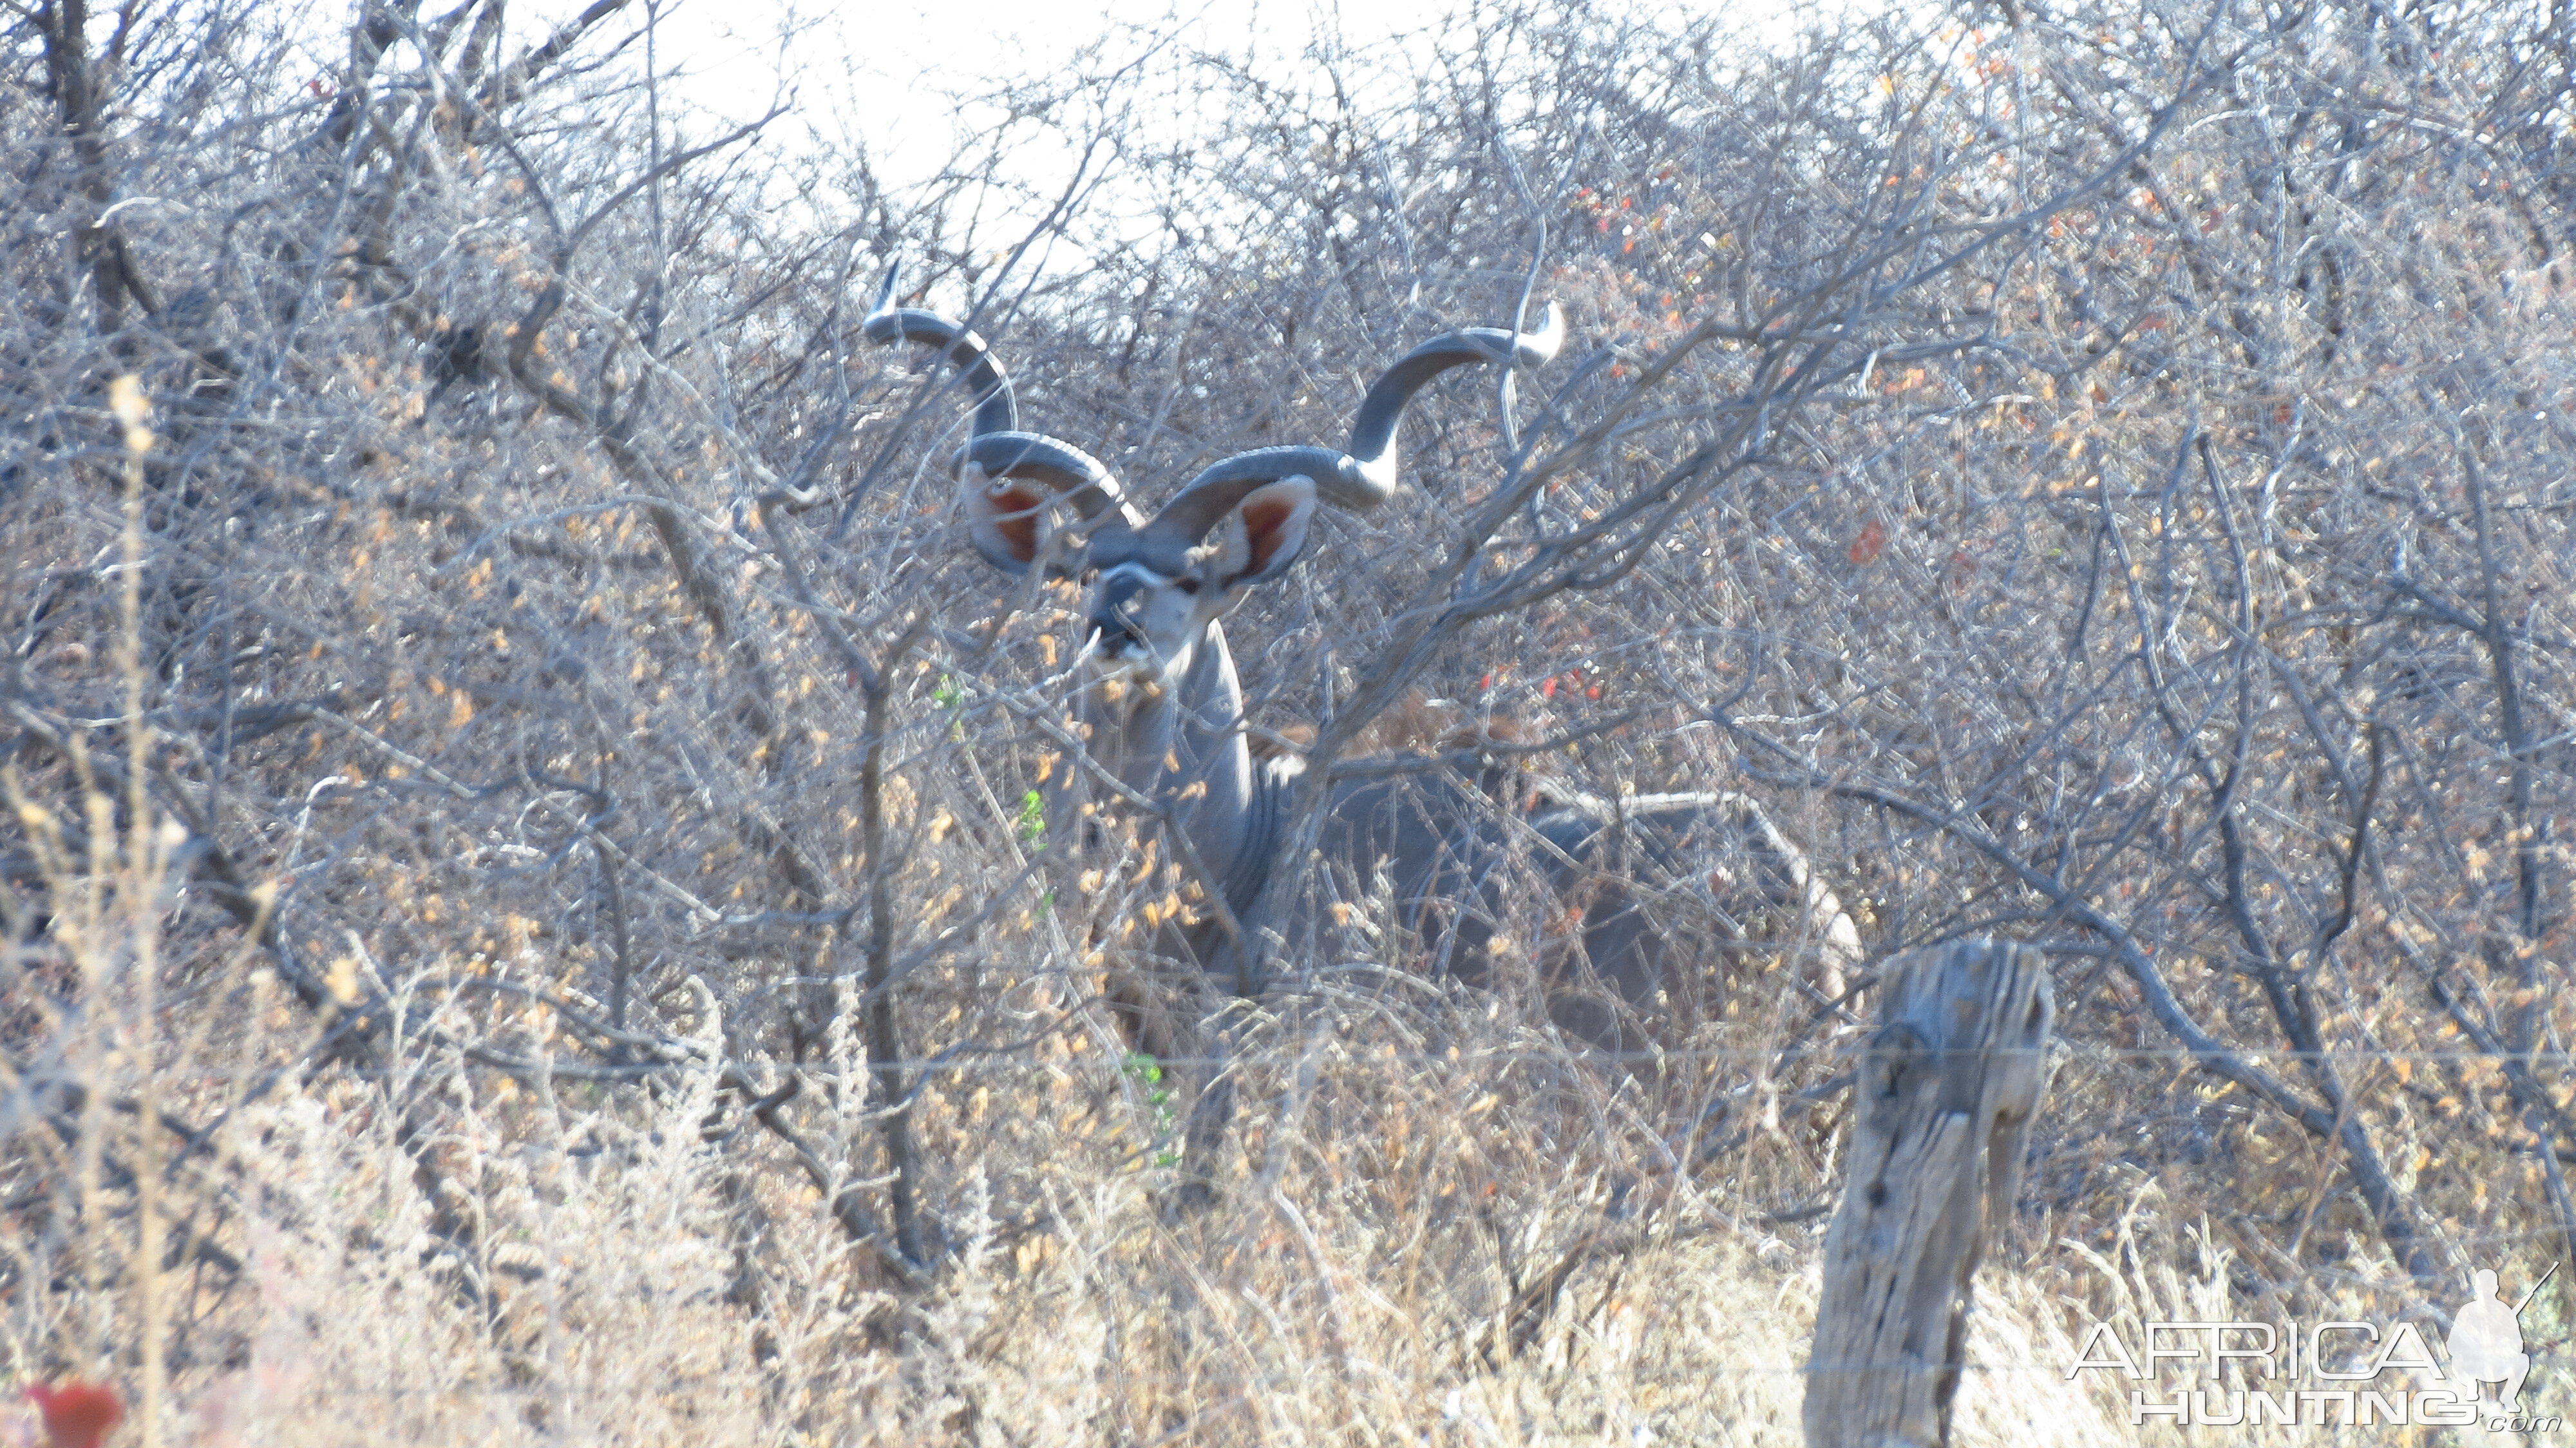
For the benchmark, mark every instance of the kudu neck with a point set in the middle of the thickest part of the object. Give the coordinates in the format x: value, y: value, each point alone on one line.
x: 1184, y: 748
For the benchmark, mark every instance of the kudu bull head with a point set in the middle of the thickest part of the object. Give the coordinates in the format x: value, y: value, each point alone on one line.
x: 1158, y: 585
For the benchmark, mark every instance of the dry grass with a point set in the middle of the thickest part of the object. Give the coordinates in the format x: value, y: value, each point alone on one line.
x: 567, y: 1264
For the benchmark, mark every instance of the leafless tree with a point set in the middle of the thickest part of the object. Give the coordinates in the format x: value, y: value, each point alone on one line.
x: 2100, y: 483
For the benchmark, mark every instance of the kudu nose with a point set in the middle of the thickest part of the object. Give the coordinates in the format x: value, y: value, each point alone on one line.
x: 1114, y: 629
x: 1116, y: 636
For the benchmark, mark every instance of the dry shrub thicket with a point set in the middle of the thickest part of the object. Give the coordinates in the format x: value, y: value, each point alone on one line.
x: 523, y: 916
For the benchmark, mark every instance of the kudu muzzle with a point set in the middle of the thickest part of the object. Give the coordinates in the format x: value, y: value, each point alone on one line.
x: 1115, y: 627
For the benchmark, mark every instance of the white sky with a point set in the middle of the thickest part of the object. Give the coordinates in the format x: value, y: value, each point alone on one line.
x: 881, y: 70
x: 884, y: 73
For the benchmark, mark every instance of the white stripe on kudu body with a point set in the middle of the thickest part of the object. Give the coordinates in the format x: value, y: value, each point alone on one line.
x: 1162, y: 709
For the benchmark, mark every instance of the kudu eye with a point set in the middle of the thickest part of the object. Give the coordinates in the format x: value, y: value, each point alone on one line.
x: 1186, y: 585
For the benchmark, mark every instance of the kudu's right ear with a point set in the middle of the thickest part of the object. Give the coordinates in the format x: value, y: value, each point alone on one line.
x: 1002, y: 517
x: 1265, y: 532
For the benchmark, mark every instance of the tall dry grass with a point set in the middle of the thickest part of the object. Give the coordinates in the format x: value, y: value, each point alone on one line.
x: 1477, y: 1243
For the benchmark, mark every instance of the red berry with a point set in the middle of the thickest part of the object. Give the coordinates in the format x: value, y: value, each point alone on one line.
x: 77, y: 1414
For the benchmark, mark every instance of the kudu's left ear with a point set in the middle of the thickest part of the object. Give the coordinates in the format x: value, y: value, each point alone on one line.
x: 1265, y: 532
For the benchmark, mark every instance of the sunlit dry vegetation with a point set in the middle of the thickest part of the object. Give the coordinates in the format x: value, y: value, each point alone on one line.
x: 527, y: 914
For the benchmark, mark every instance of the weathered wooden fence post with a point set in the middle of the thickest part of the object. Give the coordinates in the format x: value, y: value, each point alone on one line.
x: 1945, y: 1095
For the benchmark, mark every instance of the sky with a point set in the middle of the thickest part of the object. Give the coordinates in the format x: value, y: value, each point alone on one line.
x: 887, y: 74
x: 882, y: 71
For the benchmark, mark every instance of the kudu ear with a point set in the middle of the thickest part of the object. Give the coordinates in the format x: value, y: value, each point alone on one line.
x: 1265, y: 532
x: 1002, y: 516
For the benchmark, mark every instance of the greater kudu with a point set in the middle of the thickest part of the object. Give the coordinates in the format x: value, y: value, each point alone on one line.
x: 1160, y: 711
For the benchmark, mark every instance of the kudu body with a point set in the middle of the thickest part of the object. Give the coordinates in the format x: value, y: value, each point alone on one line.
x: 1160, y: 711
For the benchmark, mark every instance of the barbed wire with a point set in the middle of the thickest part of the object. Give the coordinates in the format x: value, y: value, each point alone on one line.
x: 1109, y: 1377
x: 1134, y: 1062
